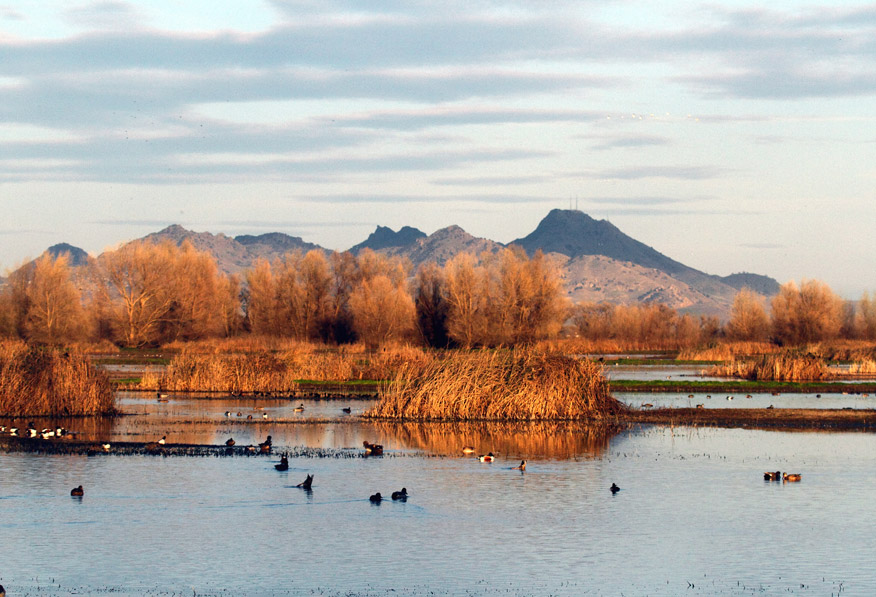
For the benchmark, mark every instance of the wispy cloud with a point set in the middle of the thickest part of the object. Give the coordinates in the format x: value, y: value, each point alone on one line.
x: 674, y: 172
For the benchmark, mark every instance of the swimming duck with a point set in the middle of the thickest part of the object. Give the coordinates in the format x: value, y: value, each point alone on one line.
x: 306, y: 484
x: 614, y: 488
x: 486, y: 458
x: 229, y: 442
x: 284, y: 464
x: 106, y: 447
x: 772, y: 476
x: 77, y: 492
x: 264, y: 415
x: 521, y: 467
x: 265, y: 446
x: 793, y: 478
x: 347, y: 410
x: 299, y: 408
x: 161, y: 397
x: 372, y: 449
x: 163, y: 440
x: 400, y: 495
x: 227, y: 413
x: 468, y: 450
x: 375, y: 499
x: 647, y: 405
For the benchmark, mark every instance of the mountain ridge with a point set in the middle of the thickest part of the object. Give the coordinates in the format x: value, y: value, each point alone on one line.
x: 596, y: 260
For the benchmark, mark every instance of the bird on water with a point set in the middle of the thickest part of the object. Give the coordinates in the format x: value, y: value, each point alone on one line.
x: 614, y: 488
x: 77, y: 492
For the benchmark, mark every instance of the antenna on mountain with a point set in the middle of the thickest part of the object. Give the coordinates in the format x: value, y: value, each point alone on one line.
x: 576, y: 204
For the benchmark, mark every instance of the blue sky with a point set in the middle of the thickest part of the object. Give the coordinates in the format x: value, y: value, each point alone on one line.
x: 729, y: 136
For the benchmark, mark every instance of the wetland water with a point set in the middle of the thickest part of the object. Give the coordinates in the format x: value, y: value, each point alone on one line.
x: 694, y: 515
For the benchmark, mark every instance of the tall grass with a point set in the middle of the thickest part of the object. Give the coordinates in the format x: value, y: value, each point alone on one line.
x: 280, y: 370
x: 517, y: 385
x: 36, y: 381
x: 776, y: 367
x: 726, y: 351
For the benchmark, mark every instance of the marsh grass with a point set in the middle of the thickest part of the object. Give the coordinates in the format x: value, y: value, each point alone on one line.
x: 863, y: 367
x: 40, y: 381
x: 516, y: 385
x: 727, y: 351
x: 776, y: 367
x: 280, y: 370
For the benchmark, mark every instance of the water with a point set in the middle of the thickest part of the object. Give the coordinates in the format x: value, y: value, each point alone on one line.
x: 694, y: 515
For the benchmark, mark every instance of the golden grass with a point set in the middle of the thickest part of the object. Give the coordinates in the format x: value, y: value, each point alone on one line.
x: 517, y: 385
x: 726, y: 351
x: 776, y: 367
x: 276, y: 371
x: 864, y: 367
x: 37, y: 381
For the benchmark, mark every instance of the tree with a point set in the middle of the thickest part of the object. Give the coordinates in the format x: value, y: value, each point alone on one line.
x: 137, y: 287
x: 812, y: 313
x: 54, y: 312
x: 382, y: 311
x: 748, y: 318
x: 466, y: 319
x: 431, y: 305
x: 260, y: 305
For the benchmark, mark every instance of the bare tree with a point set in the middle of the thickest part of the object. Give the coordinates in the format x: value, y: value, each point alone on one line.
x: 810, y: 313
x: 382, y: 311
x: 54, y: 312
x: 748, y: 318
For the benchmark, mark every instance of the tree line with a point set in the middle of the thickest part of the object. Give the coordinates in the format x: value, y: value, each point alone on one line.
x: 146, y: 294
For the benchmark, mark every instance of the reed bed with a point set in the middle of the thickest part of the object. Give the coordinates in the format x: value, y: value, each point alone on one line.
x: 776, y: 367
x: 280, y: 371
x: 864, y: 367
x: 517, y: 385
x: 36, y: 381
x: 727, y: 351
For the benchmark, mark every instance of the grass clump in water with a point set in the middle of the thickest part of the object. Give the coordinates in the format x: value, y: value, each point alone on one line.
x: 776, y: 367
x: 42, y: 381
x: 517, y: 385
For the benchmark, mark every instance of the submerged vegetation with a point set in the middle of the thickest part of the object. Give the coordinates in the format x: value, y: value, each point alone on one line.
x: 37, y: 381
x: 516, y: 385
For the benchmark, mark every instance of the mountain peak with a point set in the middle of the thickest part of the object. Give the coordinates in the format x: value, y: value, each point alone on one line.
x: 384, y: 238
x: 77, y: 256
x: 573, y: 233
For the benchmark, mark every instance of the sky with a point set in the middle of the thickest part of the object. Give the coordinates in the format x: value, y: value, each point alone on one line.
x: 727, y: 135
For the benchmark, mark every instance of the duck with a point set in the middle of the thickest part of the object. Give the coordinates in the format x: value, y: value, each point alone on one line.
x: 614, y: 488
x: 163, y: 440
x: 161, y: 397
x: 229, y: 442
x: 284, y: 464
x: 521, y: 467
x: 468, y: 450
x: 372, y: 449
x: 264, y: 415
x: 77, y: 492
x: 106, y: 447
x: 647, y: 405
x: 347, y: 410
x: 306, y: 484
x: 701, y: 406
x: 729, y: 397
x: 400, y: 495
x: 772, y: 476
x: 299, y: 408
x: 265, y: 446
x: 792, y: 478
x: 249, y: 417
x: 486, y: 458
x: 376, y: 498
x: 227, y: 413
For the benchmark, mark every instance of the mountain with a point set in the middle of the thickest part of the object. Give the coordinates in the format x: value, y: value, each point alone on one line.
x: 638, y: 272
x: 77, y: 255
x: 442, y: 245
x: 597, y: 262
x: 386, y: 238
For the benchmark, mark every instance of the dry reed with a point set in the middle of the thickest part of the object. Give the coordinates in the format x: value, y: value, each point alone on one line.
x: 864, y: 367
x: 726, y: 351
x: 279, y: 371
x: 517, y: 385
x: 776, y: 367
x: 36, y: 381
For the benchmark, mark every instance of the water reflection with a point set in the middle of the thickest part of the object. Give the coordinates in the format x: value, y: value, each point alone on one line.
x: 557, y: 440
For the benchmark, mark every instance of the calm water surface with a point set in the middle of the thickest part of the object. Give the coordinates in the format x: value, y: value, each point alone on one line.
x: 694, y: 515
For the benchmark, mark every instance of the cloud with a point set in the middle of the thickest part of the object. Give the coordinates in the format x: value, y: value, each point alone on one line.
x: 105, y: 15
x: 760, y: 246
x: 674, y: 172
x: 489, y: 180
x: 630, y: 141
x: 436, y: 199
x: 642, y: 201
